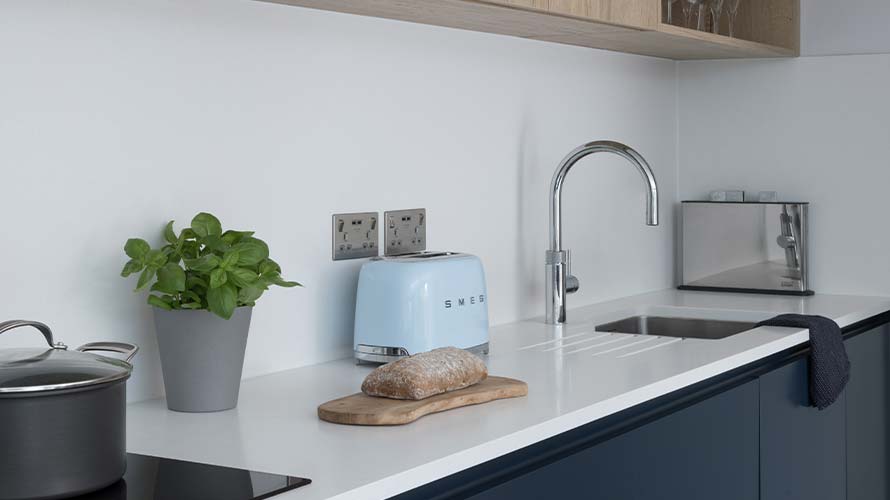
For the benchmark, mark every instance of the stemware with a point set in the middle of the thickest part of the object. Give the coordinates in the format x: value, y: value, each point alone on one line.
x: 716, y: 7
x: 690, y: 8
x: 732, y: 10
x: 670, y: 10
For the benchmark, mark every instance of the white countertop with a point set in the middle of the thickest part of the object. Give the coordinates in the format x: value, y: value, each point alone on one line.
x: 584, y: 377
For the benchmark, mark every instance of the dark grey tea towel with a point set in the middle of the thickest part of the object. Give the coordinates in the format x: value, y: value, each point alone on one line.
x: 829, y: 365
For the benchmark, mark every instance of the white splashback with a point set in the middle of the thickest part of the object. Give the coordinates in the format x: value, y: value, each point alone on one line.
x: 814, y: 129
x: 116, y: 116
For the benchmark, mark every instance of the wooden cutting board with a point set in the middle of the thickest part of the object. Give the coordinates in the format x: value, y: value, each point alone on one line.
x: 361, y: 409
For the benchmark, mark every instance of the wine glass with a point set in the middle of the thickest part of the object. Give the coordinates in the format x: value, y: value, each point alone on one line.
x: 716, y: 7
x: 690, y: 8
x: 732, y: 10
x: 670, y: 10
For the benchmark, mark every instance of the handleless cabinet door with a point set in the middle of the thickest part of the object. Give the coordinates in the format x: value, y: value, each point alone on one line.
x: 802, y: 449
x: 706, y: 451
x: 868, y: 415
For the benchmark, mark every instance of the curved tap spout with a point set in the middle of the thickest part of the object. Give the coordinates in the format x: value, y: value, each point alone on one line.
x: 558, y: 271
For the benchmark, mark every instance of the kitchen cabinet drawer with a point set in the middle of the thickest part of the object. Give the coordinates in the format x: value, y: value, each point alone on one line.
x: 802, y: 449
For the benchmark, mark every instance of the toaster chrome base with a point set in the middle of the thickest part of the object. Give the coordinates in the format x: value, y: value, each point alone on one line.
x: 373, y: 354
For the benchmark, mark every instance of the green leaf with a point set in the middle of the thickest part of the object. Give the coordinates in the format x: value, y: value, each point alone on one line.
x: 192, y: 305
x: 192, y: 296
x: 172, y: 253
x: 169, y: 234
x: 136, y: 248
x: 286, y: 284
x: 229, y: 259
x: 171, y: 279
x: 276, y: 279
x: 205, y: 225
x: 217, y: 278
x: 203, y: 264
x: 158, y: 302
x: 250, y: 293
x: 132, y: 266
x: 189, y: 249
x: 222, y: 300
x: 192, y: 280
x: 147, y: 274
x: 242, y: 277
x: 214, y: 243
x: 232, y: 237
x: 251, y: 251
x: 269, y: 266
x: 155, y: 258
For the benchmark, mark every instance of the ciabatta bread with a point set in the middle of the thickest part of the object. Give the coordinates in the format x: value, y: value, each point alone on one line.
x: 426, y: 374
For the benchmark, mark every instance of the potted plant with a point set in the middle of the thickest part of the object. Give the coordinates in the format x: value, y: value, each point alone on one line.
x: 203, y: 285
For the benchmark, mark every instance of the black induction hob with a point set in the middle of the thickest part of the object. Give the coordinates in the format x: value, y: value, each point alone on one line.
x: 153, y: 478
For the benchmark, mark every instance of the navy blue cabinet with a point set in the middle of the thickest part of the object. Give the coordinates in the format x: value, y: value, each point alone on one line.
x: 702, y: 452
x: 802, y: 449
x: 868, y: 416
x: 750, y: 434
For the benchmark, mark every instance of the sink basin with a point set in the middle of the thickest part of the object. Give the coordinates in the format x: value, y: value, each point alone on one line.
x: 692, y: 328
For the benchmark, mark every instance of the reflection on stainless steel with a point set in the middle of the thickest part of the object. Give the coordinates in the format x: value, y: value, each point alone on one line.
x: 559, y: 280
x: 677, y: 327
x: 759, y: 247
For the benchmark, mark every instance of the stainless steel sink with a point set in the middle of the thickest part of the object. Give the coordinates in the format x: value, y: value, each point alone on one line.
x: 712, y: 329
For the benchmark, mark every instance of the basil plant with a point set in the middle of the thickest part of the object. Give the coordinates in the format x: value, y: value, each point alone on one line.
x: 204, y: 268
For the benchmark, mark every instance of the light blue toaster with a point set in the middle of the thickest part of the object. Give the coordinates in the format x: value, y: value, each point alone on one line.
x: 417, y: 302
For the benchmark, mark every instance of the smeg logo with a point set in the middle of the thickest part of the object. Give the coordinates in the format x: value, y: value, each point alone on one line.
x: 463, y: 301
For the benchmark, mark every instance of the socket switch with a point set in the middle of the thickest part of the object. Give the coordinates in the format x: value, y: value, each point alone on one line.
x: 404, y: 231
x: 356, y: 235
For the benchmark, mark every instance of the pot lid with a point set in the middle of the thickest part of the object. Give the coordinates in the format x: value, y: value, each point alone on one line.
x: 30, y: 370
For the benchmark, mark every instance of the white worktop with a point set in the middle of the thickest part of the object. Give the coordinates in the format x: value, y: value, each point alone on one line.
x: 585, y: 377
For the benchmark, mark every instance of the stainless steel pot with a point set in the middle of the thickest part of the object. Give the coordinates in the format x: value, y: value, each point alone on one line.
x: 62, y: 417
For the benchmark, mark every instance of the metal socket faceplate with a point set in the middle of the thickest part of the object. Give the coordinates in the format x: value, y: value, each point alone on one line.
x: 404, y: 231
x: 355, y: 235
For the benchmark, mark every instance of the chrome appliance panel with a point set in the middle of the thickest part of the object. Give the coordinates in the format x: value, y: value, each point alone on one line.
x: 745, y: 247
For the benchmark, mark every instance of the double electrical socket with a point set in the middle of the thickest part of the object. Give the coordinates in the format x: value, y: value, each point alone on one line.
x: 356, y: 235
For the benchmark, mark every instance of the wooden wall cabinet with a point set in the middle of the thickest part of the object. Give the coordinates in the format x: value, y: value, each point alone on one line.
x: 766, y: 28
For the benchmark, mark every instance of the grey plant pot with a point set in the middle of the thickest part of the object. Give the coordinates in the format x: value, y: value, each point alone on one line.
x: 202, y: 356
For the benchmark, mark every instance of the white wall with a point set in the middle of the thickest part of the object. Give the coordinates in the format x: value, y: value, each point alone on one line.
x: 835, y: 27
x: 814, y: 129
x: 116, y: 116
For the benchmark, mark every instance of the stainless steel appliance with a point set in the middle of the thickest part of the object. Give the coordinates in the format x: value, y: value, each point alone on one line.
x: 758, y: 247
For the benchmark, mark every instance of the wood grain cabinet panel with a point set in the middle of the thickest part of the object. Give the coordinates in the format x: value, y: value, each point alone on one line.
x: 767, y: 28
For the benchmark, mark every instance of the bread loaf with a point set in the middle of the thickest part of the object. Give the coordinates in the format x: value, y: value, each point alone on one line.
x: 426, y: 374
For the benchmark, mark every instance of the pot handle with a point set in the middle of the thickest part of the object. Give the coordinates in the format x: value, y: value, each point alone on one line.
x: 128, y: 350
x: 45, y: 330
